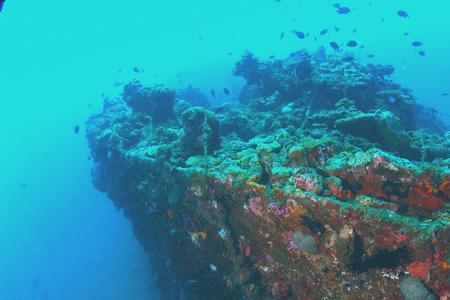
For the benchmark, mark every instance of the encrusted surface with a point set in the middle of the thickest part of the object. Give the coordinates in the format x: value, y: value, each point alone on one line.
x: 326, y: 181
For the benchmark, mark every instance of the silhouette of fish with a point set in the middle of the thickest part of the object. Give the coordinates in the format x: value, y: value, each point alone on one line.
x: 226, y: 91
x: 324, y: 31
x: 422, y: 53
x: 352, y: 43
x: 282, y: 36
x: 444, y: 94
x: 342, y: 10
x: 299, y: 34
x: 416, y: 44
x: 335, y: 46
x: 1, y: 4
x: 402, y: 14
x: 213, y: 93
x: 76, y: 129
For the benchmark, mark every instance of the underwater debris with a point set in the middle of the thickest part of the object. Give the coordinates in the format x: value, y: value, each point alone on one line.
x: 325, y: 178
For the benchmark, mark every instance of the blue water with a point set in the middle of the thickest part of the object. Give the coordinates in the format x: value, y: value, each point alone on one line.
x: 59, y: 237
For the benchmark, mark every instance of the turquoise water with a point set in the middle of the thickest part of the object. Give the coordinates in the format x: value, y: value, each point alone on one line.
x: 61, y: 239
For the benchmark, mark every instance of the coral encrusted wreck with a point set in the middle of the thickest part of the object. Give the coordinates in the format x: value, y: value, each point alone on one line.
x: 326, y: 180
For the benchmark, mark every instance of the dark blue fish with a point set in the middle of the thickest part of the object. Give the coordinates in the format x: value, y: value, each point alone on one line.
x: 335, y: 46
x: 370, y: 56
x: 1, y: 4
x: 226, y: 91
x: 136, y: 70
x: 282, y: 36
x: 444, y: 94
x: 422, y: 53
x: 348, y: 58
x: 416, y: 44
x: 352, y: 44
x: 343, y: 10
x: 76, y: 129
x: 213, y: 93
x: 406, y: 34
x: 299, y: 34
x: 336, y: 28
x: 354, y: 30
x: 324, y: 31
x: 402, y: 14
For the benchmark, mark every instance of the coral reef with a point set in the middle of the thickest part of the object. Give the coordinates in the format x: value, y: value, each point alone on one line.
x: 325, y: 181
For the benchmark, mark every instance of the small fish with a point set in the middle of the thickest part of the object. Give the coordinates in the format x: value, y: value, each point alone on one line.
x: 136, y: 70
x: 335, y: 46
x: 406, y: 34
x: 354, y: 30
x: 416, y: 44
x: 281, y: 35
x: 324, y: 31
x: 343, y: 10
x: 422, y: 53
x: 402, y: 14
x: 299, y: 34
x: 444, y: 94
x: 337, y: 29
x: 1, y: 4
x: 226, y: 91
x: 213, y: 93
x: 272, y: 56
x: 352, y: 43
x: 348, y: 58
x: 370, y: 56
x: 76, y: 129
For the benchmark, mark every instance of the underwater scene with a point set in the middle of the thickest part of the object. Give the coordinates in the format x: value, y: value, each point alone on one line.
x: 240, y: 149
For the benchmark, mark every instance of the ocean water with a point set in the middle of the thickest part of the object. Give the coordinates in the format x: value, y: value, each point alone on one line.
x: 59, y: 237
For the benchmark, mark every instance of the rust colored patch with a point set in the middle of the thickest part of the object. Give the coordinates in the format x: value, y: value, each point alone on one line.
x: 420, y: 269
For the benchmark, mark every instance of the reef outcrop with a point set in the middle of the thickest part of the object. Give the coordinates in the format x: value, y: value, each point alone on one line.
x: 326, y: 180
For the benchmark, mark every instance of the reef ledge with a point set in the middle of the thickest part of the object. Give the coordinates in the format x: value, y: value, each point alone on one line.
x: 324, y: 180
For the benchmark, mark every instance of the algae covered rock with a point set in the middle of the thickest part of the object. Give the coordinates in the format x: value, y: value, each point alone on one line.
x: 156, y: 101
x: 201, y: 131
x: 413, y: 289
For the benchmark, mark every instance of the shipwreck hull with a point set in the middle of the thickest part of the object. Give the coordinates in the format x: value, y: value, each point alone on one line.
x: 299, y: 211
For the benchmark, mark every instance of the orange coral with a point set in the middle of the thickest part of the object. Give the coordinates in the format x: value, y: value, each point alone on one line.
x: 295, y: 211
x: 279, y: 193
x: 445, y: 187
x: 420, y: 269
x: 258, y: 188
